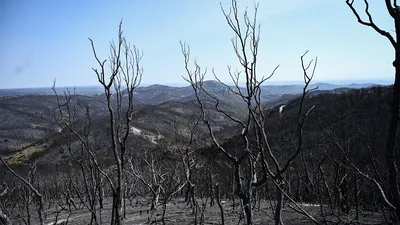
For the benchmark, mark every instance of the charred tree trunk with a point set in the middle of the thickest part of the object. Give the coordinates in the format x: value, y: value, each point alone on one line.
x: 156, y: 196
x: 221, y: 208
x: 116, y: 216
x: 279, y: 204
x: 246, y: 200
x: 4, y: 218
x: 391, y: 150
x: 244, y: 193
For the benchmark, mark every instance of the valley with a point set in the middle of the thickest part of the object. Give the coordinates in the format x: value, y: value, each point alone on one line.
x: 161, y: 128
x: 230, y: 145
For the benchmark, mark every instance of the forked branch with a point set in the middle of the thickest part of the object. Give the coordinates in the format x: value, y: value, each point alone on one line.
x: 370, y: 22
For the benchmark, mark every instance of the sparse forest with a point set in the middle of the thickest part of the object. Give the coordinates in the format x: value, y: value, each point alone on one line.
x: 211, y: 152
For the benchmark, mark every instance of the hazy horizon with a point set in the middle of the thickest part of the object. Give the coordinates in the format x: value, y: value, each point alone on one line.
x: 184, y: 84
x: 48, y: 40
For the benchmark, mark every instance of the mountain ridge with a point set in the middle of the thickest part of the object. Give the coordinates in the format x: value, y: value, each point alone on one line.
x: 28, y: 119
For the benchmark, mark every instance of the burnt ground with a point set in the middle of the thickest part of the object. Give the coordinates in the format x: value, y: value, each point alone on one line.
x: 178, y: 212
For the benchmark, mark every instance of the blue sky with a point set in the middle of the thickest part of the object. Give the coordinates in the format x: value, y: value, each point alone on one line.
x: 41, y: 40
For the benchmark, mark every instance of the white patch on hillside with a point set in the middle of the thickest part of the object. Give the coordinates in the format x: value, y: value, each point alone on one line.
x: 34, y: 126
x: 281, y: 108
x: 309, y: 205
x: 135, y: 131
x: 58, y: 222
x: 153, y: 138
x: 146, y: 134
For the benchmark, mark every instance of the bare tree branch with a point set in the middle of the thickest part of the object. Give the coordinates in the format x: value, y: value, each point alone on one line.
x: 370, y: 22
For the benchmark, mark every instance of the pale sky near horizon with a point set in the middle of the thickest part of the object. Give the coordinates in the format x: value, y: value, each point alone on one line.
x: 42, y: 40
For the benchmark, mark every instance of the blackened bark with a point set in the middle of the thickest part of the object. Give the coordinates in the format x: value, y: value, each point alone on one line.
x: 4, y: 218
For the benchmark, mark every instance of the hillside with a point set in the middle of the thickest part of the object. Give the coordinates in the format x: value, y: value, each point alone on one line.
x: 353, y: 115
x: 154, y: 128
x: 151, y: 126
x: 28, y: 120
x: 344, y: 130
x: 344, y: 123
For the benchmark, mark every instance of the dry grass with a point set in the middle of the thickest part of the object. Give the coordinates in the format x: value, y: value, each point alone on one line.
x: 24, y: 155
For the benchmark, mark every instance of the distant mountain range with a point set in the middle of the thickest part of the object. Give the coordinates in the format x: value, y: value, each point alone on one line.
x: 27, y: 115
x: 176, y: 91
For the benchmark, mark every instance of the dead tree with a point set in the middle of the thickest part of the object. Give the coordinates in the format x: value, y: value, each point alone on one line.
x: 79, y: 126
x: 125, y: 76
x: 149, y: 172
x: 162, y: 181
x: 3, y: 216
x: 29, y: 183
x: 248, y: 173
x: 391, y: 151
x: 243, y: 187
x: 186, y: 152
x: 221, y: 208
